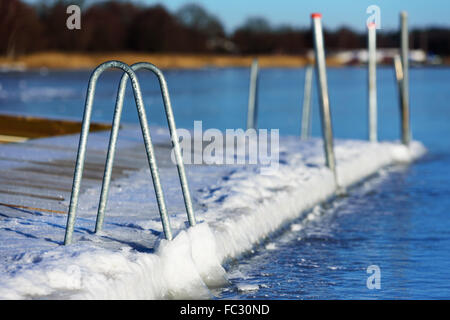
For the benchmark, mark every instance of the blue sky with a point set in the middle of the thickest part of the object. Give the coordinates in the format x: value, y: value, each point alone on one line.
x: 336, y: 13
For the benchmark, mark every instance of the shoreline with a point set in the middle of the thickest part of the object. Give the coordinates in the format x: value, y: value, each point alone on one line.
x: 76, y: 61
x: 54, y: 60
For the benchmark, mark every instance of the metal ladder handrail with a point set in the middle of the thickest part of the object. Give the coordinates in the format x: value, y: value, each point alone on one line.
x: 81, y: 154
x: 175, y: 145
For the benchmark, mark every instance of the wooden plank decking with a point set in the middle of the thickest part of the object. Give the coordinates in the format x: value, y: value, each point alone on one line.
x: 29, y: 180
x: 21, y: 128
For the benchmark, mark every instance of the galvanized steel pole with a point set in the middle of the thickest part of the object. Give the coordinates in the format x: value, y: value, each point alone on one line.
x: 372, y: 81
x: 404, y: 35
x: 252, y: 111
x: 306, y: 110
x: 399, y: 78
x: 327, y: 130
x: 398, y: 71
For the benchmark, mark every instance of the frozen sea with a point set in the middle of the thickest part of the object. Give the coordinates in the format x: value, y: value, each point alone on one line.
x: 397, y: 220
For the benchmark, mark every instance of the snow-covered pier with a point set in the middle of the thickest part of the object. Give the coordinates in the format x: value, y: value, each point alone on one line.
x: 236, y: 207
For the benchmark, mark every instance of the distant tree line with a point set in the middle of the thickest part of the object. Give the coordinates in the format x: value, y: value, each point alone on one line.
x: 129, y: 26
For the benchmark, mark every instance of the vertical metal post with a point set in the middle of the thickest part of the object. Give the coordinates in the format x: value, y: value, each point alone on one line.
x: 372, y: 81
x: 399, y: 77
x: 252, y: 112
x: 306, y: 111
x: 404, y: 35
x: 327, y: 130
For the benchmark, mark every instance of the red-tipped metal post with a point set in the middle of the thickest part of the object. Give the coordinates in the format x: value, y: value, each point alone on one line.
x: 404, y: 52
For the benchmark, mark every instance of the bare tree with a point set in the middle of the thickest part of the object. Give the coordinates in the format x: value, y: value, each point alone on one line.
x: 197, y: 18
x: 20, y: 29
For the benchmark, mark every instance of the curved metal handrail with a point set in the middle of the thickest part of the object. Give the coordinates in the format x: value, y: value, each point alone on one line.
x: 83, y: 141
x: 175, y: 144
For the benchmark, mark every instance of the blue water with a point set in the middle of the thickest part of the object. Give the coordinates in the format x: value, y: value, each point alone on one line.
x: 398, y: 220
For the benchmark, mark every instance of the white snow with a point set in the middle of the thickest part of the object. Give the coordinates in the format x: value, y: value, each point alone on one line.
x: 236, y: 208
x: 243, y: 287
